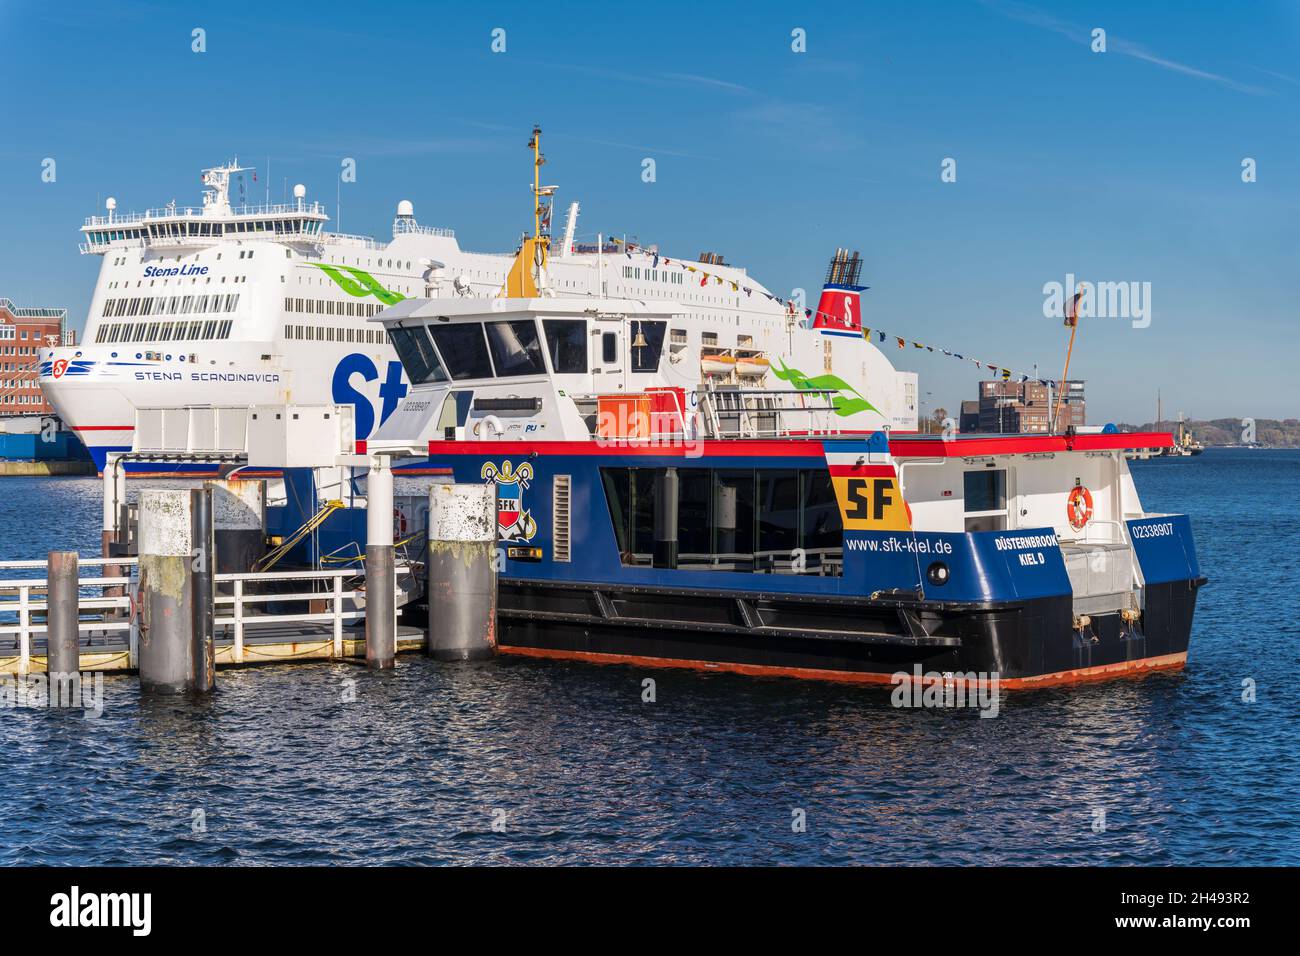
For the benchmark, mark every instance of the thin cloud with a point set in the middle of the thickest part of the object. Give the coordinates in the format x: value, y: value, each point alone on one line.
x: 708, y: 81
x: 1083, y: 35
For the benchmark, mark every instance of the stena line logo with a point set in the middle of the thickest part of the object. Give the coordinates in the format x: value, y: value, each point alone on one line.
x: 189, y: 269
x: 76, y: 909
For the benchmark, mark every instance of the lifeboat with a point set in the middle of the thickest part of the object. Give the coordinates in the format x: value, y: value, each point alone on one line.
x: 751, y: 366
x: 717, y: 363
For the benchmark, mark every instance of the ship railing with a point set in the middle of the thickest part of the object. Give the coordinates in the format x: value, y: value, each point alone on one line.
x: 24, y: 604
x: 195, y: 212
x: 403, y: 227
x: 367, y: 242
x: 767, y: 412
x: 717, y: 413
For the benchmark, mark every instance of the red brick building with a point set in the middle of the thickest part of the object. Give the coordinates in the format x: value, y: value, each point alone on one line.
x: 1024, y: 407
x: 23, y: 333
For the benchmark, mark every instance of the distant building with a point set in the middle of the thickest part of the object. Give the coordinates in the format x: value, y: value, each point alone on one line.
x: 1013, y: 407
x: 23, y: 333
x: 1022, y: 407
x: 1074, y: 407
x: 970, y: 417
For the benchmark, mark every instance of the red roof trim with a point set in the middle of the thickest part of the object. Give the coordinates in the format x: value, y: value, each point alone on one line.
x: 926, y: 447
x: 758, y: 448
x: 1102, y: 442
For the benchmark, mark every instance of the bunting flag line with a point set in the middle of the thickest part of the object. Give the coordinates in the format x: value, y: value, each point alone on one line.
x: 1002, y: 371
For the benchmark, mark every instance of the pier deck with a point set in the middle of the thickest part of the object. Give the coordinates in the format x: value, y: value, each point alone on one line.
x: 264, y: 643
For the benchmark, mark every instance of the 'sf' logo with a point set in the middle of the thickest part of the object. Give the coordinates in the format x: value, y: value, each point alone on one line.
x: 60, y: 366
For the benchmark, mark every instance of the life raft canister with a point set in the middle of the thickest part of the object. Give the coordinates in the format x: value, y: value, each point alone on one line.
x: 1079, y: 507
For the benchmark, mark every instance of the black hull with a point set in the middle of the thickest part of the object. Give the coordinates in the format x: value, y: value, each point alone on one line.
x: 1025, y: 643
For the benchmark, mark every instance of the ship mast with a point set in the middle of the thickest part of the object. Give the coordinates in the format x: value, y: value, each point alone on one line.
x: 527, y: 277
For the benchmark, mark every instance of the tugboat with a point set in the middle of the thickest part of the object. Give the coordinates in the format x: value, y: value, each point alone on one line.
x: 653, y: 510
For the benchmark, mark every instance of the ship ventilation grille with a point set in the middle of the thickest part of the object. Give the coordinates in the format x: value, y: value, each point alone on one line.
x: 560, y: 548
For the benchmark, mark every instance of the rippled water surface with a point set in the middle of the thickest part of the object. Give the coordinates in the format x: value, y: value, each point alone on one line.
x: 574, y: 767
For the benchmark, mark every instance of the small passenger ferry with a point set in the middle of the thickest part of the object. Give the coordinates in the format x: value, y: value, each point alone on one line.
x: 661, y: 504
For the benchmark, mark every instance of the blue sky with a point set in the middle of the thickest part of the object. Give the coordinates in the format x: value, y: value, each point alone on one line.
x: 1115, y: 166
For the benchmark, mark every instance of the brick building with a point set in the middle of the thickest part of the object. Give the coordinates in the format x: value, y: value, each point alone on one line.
x: 23, y: 333
x: 1023, y: 407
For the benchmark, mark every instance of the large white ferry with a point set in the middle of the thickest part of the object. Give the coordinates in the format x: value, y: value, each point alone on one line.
x: 260, y: 304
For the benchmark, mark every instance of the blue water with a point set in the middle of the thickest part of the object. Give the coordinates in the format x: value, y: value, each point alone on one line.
x: 575, y: 768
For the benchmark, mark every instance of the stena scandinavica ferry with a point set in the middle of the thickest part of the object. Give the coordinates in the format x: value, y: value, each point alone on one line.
x: 661, y: 504
x: 221, y: 304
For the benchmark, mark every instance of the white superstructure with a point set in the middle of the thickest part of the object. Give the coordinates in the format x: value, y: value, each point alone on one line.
x: 258, y: 304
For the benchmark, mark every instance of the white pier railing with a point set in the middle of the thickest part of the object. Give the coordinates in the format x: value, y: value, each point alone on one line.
x: 239, y: 612
x: 29, y: 598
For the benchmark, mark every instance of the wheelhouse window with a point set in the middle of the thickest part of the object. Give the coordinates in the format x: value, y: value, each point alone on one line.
x: 464, y: 350
x: 566, y: 341
x: 986, y: 499
x: 647, y: 345
x: 416, y: 351
x: 515, y: 348
x: 768, y: 521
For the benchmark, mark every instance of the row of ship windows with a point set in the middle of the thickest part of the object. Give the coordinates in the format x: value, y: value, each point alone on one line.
x: 653, y: 275
x: 313, y: 333
x: 163, y: 331
x: 169, y: 305
x: 331, y: 307
x: 243, y: 254
x: 172, y: 230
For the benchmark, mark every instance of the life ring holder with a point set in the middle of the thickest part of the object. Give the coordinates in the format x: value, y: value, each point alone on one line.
x: 1078, y: 507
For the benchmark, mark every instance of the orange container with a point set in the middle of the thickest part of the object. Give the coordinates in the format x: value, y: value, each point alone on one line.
x: 622, y: 416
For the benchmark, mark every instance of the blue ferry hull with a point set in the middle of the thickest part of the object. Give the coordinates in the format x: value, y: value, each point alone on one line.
x: 1004, y: 610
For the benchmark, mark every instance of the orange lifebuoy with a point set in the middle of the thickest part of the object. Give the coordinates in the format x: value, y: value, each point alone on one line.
x: 1079, y: 507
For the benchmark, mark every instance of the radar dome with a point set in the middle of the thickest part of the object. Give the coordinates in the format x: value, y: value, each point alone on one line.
x: 110, y: 203
x: 299, y: 190
x: 404, y: 208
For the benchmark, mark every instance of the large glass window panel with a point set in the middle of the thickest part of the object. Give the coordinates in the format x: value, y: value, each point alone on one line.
x: 647, y: 345
x: 733, y: 519
x: 415, y: 349
x: 566, y: 341
x: 694, y: 518
x: 464, y: 350
x: 986, y: 490
x: 778, y: 518
x: 515, y: 348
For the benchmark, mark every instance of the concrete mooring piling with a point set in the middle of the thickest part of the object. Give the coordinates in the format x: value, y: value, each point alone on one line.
x: 239, y: 523
x: 381, y: 575
x: 203, y: 574
x: 63, y: 653
x: 169, y: 663
x: 462, y: 584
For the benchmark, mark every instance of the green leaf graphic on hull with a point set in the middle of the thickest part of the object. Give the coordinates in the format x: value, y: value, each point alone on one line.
x: 841, y: 404
x: 362, y: 285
